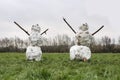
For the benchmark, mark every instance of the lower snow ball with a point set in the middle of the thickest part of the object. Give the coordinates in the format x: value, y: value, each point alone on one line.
x: 80, y: 52
x: 33, y: 53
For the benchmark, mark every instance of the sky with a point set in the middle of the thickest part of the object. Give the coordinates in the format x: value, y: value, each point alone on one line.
x: 50, y: 13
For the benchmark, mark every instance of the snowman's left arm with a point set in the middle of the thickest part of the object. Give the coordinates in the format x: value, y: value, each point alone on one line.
x: 97, y: 30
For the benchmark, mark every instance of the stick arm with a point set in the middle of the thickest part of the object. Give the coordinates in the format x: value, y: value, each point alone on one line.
x: 44, y: 31
x: 22, y: 28
x: 97, y: 30
x: 69, y: 25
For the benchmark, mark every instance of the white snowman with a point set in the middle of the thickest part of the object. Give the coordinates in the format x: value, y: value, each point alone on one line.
x: 81, y: 48
x: 34, y: 51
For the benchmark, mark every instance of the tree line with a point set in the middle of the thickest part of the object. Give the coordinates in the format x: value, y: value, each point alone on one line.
x: 60, y: 43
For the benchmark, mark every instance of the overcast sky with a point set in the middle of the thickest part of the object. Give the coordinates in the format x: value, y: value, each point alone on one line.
x: 49, y: 14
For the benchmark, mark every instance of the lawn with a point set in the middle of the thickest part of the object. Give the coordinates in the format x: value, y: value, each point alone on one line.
x: 56, y: 66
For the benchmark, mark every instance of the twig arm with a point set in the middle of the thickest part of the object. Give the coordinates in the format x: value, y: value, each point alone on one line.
x: 69, y: 25
x: 44, y: 31
x: 21, y: 28
x: 97, y: 30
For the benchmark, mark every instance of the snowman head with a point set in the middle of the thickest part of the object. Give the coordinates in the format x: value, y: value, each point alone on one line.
x: 84, y: 27
x: 36, y: 28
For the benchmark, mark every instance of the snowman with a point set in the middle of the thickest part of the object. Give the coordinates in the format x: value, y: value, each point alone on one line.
x: 81, y: 48
x: 34, y: 51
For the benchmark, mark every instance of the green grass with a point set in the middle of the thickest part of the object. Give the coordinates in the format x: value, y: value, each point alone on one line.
x: 13, y: 66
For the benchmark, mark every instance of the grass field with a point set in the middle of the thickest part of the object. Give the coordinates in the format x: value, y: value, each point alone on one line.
x: 13, y: 66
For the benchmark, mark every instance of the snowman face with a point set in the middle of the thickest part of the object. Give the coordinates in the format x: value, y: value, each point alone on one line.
x: 84, y: 27
x: 35, y: 28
